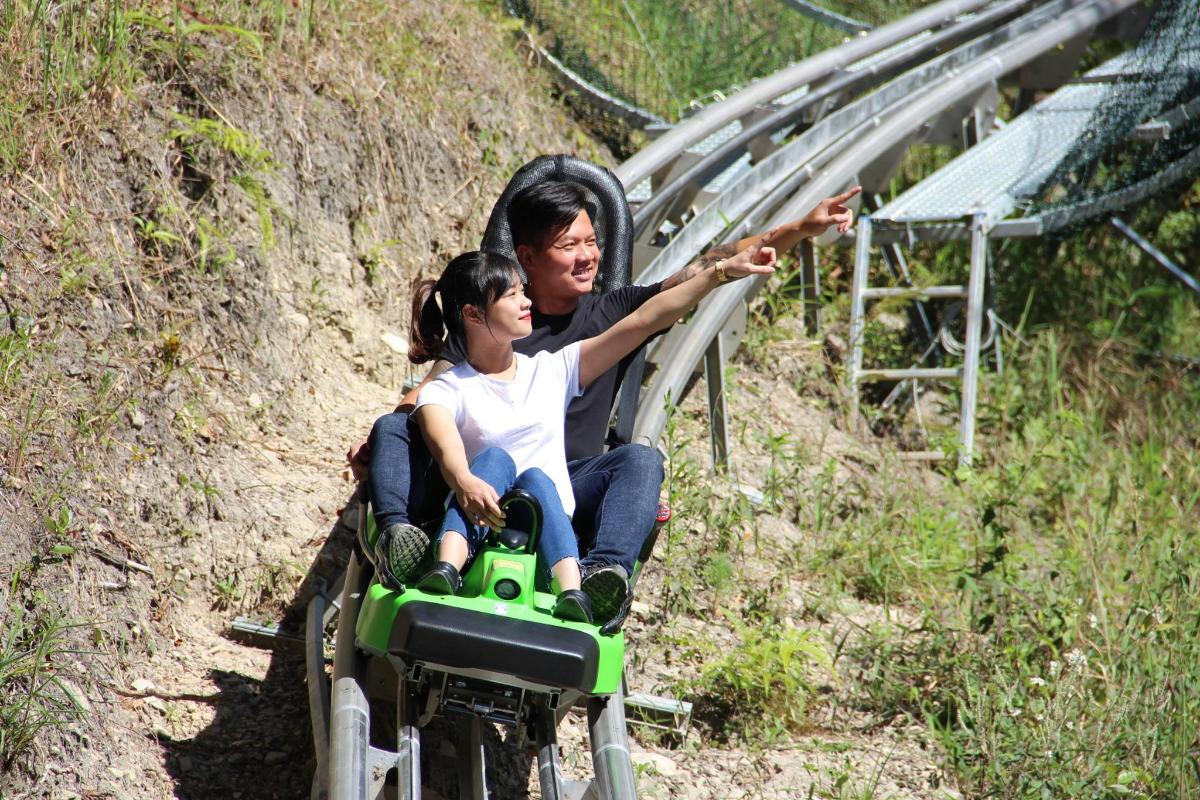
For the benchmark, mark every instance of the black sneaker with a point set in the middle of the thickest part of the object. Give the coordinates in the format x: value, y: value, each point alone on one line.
x: 573, y: 605
x: 607, y: 586
x: 442, y: 579
x: 399, y: 550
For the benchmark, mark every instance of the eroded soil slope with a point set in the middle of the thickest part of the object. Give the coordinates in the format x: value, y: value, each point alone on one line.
x: 205, y: 263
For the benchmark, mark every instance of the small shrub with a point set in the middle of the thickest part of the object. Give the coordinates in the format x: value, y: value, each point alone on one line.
x: 764, y: 685
x: 32, y: 697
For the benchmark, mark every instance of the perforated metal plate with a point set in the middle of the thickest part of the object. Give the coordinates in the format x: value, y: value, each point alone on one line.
x: 995, y: 176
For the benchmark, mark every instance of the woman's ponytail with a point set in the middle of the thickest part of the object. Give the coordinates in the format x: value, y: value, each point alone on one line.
x: 428, y: 332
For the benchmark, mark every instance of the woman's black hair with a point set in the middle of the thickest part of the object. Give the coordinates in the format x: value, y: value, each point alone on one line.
x: 477, y: 278
x: 537, y: 213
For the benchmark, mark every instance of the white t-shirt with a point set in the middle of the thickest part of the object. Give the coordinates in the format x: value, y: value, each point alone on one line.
x: 523, y: 416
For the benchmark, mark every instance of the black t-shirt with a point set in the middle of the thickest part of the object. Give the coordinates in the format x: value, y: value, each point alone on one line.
x: 587, y: 415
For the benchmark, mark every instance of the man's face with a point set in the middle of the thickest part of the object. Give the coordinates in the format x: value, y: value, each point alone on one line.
x: 565, y: 268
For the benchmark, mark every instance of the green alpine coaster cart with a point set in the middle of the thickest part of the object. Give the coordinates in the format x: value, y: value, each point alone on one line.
x: 492, y: 653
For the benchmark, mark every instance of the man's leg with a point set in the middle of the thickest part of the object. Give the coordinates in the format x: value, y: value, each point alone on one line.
x: 406, y: 489
x: 616, y: 502
x: 405, y: 483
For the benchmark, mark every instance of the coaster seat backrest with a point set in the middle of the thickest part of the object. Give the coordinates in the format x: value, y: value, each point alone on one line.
x: 606, y: 206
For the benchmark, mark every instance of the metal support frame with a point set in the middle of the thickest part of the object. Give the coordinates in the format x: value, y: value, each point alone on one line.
x: 970, y: 372
x: 408, y: 742
x: 858, y: 288
x: 318, y: 691
x: 718, y: 410
x: 472, y: 781
x: 810, y: 287
x: 611, y: 761
x: 350, y: 717
x: 861, y: 291
x: 1158, y: 255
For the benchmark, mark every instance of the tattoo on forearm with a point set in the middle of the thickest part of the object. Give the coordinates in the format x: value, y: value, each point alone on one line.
x: 718, y: 253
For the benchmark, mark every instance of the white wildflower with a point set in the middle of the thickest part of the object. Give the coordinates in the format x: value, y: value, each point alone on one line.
x: 1092, y: 621
x: 1070, y: 725
x: 1159, y: 614
x: 1076, y: 659
x: 1014, y: 712
x: 1036, y: 681
x: 1055, y: 668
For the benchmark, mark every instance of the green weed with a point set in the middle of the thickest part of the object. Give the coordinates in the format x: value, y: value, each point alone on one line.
x: 32, y: 696
x: 764, y: 685
x: 252, y: 161
x: 229, y: 592
x: 1057, y: 652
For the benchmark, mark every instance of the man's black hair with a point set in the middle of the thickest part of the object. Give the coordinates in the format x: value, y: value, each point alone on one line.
x: 537, y: 213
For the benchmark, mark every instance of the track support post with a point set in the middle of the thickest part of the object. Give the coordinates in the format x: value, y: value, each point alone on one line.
x: 714, y: 380
x: 975, y: 286
x: 810, y: 287
x: 858, y: 287
x: 611, y: 762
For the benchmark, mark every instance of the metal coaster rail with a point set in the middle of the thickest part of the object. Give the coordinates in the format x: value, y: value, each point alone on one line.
x: 666, y: 149
x: 829, y: 156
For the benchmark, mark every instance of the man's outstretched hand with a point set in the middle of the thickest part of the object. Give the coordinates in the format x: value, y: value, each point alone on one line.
x: 832, y: 211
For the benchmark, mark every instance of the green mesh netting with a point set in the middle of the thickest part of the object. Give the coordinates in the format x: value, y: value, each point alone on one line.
x: 1117, y: 165
x: 664, y: 56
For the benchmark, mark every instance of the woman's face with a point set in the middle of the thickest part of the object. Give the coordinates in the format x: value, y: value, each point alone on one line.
x: 510, y: 316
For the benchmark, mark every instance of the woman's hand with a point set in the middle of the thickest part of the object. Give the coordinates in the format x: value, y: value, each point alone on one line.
x: 754, y: 260
x: 479, y: 501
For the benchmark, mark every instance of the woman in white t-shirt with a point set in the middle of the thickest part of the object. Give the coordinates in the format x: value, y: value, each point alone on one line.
x: 495, y: 421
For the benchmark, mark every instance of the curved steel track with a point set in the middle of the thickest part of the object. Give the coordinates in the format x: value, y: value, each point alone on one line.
x: 867, y: 129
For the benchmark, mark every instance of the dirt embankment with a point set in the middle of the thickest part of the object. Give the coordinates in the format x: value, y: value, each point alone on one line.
x: 205, y: 261
x: 203, y: 264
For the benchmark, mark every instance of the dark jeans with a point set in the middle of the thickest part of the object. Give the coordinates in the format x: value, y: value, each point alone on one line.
x: 405, y: 483
x: 616, y: 502
x: 616, y: 493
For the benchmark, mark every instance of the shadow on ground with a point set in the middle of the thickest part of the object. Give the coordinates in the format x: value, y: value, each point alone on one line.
x: 259, y: 745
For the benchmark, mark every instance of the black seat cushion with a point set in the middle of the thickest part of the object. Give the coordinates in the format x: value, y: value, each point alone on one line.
x: 546, y: 654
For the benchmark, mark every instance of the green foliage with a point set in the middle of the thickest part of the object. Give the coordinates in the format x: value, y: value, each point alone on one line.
x: 252, y: 160
x: 32, y: 696
x: 666, y: 55
x: 1056, y: 654
x: 765, y: 683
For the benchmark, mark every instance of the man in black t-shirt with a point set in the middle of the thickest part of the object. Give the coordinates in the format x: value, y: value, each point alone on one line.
x: 616, y: 492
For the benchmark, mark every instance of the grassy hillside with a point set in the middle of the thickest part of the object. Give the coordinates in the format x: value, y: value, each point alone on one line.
x: 668, y: 56
x: 210, y: 215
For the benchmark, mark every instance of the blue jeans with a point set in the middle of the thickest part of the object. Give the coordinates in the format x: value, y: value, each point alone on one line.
x: 616, y: 501
x: 405, y: 483
x: 616, y: 493
x: 557, y: 539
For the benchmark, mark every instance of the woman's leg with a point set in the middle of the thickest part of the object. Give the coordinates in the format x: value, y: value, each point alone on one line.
x: 556, y: 544
x: 459, y: 539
